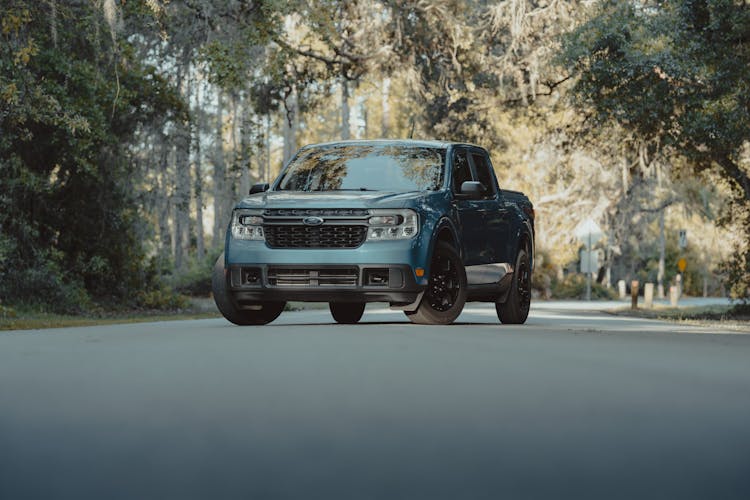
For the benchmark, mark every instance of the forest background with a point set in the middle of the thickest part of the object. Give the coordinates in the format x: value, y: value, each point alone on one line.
x: 129, y: 128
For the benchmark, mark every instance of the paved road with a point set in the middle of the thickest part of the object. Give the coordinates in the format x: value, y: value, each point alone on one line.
x: 574, y: 404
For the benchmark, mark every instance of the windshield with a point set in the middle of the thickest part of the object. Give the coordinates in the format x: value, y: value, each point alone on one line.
x: 367, y: 167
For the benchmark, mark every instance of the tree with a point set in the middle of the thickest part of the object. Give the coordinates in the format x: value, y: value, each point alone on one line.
x: 663, y: 71
x: 70, y: 103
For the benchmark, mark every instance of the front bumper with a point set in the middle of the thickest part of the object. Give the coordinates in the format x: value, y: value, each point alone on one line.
x: 251, y: 283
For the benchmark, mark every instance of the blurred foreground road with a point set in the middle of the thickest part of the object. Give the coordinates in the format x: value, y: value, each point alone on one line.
x: 575, y: 404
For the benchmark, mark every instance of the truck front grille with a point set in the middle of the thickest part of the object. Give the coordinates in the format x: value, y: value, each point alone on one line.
x: 326, y: 236
x: 302, y: 277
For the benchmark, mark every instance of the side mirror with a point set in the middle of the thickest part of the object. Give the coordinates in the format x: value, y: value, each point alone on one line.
x: 473, y: 189
x: 259, y: 188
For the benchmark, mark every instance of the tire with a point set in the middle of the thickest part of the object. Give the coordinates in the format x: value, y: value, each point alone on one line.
x: 347, y: 313
x: 260, y: 314
x: 515, y: 310
x: 445, y: 295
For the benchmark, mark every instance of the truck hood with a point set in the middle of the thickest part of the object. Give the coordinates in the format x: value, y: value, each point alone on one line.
x: 333, y: 199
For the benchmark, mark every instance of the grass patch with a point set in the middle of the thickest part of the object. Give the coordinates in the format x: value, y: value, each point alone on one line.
x: 43, y: 320
x: 30, y: 319
x: 724, y: 316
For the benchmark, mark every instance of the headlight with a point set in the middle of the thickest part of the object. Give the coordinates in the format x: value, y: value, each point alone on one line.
x: 392, y: 225
x: 247, y: 224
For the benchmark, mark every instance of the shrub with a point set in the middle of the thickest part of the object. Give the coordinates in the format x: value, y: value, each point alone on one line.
x: 42, y: 284
x: 7, y: 312
x: 196, y: 281
x: 162, y: 298
x: 573, y: 286
x: 543, y: 276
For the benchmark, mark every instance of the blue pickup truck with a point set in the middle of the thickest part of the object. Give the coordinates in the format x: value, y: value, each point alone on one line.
x: 421, y: 225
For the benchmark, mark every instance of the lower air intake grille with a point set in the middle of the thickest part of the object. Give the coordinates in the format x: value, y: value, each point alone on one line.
x: 281, y: 276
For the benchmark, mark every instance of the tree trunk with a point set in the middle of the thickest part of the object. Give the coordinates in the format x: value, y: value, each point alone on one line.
x: 735, y: 173
x: 345, y: 125
x: 220, y: 172
x: 182, y: 172
x: 385, y: 116
x: 266, y: 176
x: 235, y: 169
x: 662, y: 256
x: 246, y: 129
x: 163, y: 207
x: 198, y: 182
x: 289, y: 127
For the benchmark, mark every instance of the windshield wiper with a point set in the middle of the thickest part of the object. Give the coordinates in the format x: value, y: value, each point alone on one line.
x: 356, y: 189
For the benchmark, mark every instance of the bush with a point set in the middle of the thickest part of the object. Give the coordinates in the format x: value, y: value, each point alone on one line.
x: 7, y: 312
x: 573, y: 286
x: 543, y: 276
x: 196, y: 281
x: 162, y: 298
x: 43, y: 284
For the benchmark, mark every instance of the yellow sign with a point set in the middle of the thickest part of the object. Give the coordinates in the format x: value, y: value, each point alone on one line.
x: 682, y: 264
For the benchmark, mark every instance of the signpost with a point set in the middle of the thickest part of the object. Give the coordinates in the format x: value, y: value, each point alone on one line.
x: 682, y: 263
x: 588, y: 232
x: 589, y: 261
x: 683, y: 239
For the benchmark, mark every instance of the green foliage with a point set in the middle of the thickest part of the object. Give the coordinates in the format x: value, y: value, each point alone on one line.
x: 573, y: 286
x: 663, y: 71
x: 737, y: 268
x: 232, y: 43
x: 162, y: 298
x: 676, y: 73
x: 69, y: 107
x: 196, y: 280
x: 7, y: 312
x: 543, y: 276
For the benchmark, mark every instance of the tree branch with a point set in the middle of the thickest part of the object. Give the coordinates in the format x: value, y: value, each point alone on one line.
x: 734, y: 172
x: 307, y: 53
x: 550, y: 89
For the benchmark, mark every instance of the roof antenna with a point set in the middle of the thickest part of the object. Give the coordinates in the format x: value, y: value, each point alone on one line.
x: 411, y: 132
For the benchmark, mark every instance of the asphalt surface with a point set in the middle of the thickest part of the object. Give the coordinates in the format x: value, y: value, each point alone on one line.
x: 574, y: 404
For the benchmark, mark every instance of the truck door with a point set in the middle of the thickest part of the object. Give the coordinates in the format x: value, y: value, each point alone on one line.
x: 468, y: 212
x: 495, y: 215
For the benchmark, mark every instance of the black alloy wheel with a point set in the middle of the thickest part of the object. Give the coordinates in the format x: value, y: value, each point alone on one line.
x: 515, y: 310
x: 444, y: 287
x: 445, y: 295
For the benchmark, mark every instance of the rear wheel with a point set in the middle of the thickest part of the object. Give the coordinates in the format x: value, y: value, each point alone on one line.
x: 515, y: 310
x: 445, y: 295
x: 259, y: 313
x: 347, y: 312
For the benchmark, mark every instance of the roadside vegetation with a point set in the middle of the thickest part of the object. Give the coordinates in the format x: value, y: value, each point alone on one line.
x: 732, y: 317
x: 129, y: 129
x: 34, y: 320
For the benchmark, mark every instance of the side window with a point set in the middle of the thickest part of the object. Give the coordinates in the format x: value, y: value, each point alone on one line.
x: 461, y: 170
x: 483, y: 173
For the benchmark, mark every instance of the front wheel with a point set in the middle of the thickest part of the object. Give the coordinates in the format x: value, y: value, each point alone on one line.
x: 515, y: 310
x: 259, y: 313
x: 445, y: 295
x: 347, y: 312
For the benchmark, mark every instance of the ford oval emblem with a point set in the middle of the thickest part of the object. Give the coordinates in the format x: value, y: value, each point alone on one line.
x: 312, y: 221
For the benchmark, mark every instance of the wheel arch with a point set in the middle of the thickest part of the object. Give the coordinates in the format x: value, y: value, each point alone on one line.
x: 446, y: 232
x: 526, y: 240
